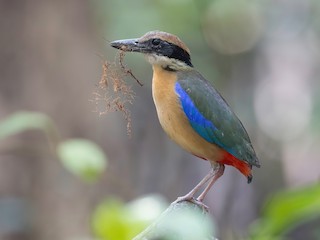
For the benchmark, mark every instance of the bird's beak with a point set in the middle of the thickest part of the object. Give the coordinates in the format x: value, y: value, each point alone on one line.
x: 129, y: 45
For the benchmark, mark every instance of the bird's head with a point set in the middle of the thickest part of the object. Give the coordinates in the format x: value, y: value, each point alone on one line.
x: 160, y: 48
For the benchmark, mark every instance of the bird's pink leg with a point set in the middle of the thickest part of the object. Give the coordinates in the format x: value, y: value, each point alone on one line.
x: 217, y: 174
x: 189, y: 196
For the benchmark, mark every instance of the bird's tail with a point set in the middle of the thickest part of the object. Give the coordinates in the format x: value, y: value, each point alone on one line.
x: 242, y: 166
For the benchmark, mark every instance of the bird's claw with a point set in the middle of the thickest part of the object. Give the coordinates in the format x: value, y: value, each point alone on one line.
x: 192, y: 200
x: 201, y: 204
x: 183, y: 198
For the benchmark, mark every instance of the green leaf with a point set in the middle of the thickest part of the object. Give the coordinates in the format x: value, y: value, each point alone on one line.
x: 290, y: 207
x: 83, y: 158
x: 286, y: 210
x: 24, y: 120
x: 115, y: 220
x: 109, y: 220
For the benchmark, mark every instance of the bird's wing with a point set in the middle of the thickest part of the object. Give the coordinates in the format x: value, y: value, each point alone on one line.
x: 211, y: 117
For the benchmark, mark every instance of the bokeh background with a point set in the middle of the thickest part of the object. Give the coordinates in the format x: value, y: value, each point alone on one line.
x: 263, y: 56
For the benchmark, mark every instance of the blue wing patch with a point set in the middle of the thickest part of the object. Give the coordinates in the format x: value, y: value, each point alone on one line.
x: 199, y: 123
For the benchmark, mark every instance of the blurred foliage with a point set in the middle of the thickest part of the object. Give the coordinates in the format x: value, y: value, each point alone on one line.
x: 232, y: 27
x: 23, y: 121
x: 82, y: 157
x: 113, y: 219
x: 283, y: 213
x: 287, y: 210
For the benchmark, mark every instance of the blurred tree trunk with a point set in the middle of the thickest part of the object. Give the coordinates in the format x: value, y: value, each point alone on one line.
x: 43, y: 43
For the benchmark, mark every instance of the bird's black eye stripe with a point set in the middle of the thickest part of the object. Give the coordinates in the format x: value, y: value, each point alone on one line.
x: 169, y: 50
x: 156, y: 41
x: 179, y: 54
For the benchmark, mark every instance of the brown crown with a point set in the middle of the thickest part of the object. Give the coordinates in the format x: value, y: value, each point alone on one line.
x: 165, y: 37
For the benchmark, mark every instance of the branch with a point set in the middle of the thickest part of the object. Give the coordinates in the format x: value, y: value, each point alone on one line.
x: 184, y: 220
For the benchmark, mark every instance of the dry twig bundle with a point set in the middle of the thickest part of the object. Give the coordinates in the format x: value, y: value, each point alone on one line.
x: 113, y: 94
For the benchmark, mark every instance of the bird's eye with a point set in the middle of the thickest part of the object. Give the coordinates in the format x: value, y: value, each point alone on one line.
x: 156, y: 41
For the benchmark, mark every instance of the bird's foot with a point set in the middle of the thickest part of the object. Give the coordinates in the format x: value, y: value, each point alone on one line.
x: 188, y: 197
x: 204, y: 207
x: 192, y: 200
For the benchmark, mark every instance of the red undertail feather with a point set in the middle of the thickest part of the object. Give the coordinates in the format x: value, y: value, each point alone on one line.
x: 242, y: 166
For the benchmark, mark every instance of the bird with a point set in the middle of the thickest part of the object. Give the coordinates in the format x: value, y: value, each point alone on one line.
x: 191, y: 111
